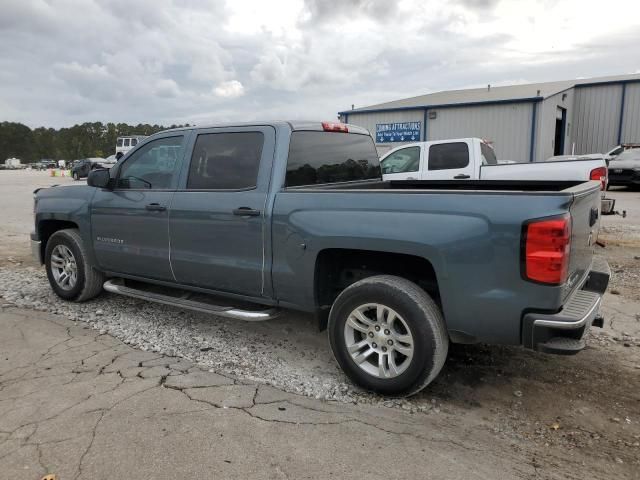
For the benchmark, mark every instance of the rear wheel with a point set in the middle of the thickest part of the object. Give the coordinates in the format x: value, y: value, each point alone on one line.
x: 76, y: 176
x: 388, y: 335
x: 70, y: 275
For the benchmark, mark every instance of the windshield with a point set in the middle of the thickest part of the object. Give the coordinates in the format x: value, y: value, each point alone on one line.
x: 633, y: 154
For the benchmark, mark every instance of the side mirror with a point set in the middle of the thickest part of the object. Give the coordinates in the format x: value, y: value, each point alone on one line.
x: 99, y: 178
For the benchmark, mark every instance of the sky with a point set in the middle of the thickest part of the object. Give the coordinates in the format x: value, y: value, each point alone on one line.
x: 64, y: 62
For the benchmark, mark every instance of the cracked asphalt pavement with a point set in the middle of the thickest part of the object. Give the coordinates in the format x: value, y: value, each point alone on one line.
x: 83, y: 405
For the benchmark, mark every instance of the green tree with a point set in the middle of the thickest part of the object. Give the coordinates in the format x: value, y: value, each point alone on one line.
x: 90, y: 139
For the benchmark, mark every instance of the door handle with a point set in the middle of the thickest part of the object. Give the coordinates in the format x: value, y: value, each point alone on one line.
x: 461, y: 177
x: 246, y: 212
x: 155, y: 207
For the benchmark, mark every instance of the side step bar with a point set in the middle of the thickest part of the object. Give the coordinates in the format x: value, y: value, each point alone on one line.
x: 118, y: 286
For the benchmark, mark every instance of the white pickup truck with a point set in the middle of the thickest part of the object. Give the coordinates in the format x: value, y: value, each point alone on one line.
x: 475, y: 159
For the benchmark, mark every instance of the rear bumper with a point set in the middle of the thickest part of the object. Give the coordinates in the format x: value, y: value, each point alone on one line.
x: 36, y: 248
x: 564, y: 332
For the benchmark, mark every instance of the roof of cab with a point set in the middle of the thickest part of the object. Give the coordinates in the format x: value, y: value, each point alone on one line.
x: 293, y: 125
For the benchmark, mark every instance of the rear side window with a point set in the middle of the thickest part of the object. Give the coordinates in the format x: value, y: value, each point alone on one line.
x: 119, y: 142
x: 329, y: 157
x: 488, y: 154
x: 225, y: 161
x: 445, y: 156
x: 402, y: 161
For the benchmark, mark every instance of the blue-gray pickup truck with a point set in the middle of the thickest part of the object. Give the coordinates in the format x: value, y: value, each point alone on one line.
x: 244, y: 220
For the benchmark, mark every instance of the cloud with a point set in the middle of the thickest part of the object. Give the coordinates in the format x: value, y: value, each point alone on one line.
x: 321, y: 11
x: 162, y: 61
x: 230, y: 89
x: 478, y: 4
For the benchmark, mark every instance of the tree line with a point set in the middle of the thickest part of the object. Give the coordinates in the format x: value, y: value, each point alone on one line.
x: 91, y: 139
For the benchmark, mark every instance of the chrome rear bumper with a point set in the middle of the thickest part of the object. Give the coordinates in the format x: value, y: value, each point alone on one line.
x: 564, y: 332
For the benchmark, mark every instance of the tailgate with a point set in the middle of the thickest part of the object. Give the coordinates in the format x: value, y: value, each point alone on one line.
x: 585, y: 223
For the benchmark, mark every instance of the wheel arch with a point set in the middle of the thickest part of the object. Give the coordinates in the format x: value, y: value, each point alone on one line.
x: 337, y: 268
x: 47, y: 227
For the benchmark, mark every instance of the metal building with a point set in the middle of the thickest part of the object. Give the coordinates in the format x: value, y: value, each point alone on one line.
x: 525, y: 122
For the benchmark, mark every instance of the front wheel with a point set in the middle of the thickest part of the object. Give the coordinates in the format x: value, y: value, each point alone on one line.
x: 76, y: 176
x: 388, y: 335
x: 70, y: 275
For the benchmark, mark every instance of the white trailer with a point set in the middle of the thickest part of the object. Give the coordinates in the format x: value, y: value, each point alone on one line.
x: 12, y: 163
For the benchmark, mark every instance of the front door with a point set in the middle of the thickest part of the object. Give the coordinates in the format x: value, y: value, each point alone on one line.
x: 449, y: 161
x: 130, y: 224
x: 217, y: 220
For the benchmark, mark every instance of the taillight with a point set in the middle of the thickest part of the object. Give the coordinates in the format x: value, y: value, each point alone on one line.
x: 334, y: 127
x: 599, y: 174
x: 547, y: 245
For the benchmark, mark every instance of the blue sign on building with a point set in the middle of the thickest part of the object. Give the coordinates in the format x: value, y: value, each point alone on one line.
x: 398, y: 132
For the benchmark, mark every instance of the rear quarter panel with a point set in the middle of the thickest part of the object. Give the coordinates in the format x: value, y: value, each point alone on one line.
x: 472, y: 240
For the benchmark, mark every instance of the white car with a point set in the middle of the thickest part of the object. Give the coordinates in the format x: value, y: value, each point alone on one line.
x: 618, y: 149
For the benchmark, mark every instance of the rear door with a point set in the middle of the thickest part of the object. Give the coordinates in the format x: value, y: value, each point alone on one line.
x: 449, y: 160
x: 217, y: 223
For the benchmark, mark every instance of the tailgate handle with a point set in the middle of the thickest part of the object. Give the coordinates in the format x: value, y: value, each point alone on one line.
x: 593, y: 216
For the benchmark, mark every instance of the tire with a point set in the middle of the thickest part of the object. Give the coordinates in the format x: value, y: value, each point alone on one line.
x: 62, y: 245
x: 76, y: 177
x: 413, y: 312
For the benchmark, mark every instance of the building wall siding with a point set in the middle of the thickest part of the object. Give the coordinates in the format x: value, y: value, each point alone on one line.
x: 507, y: 126
x: 631, y: 121
x: 593, y: 122
x: 596, y: 118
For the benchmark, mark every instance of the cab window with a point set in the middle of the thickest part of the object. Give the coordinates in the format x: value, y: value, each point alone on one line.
x: 446, y: 156
x: 225, y: 161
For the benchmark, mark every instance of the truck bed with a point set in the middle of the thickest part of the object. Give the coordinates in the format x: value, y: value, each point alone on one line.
x: 537, y: 186
x: 469, y: 230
